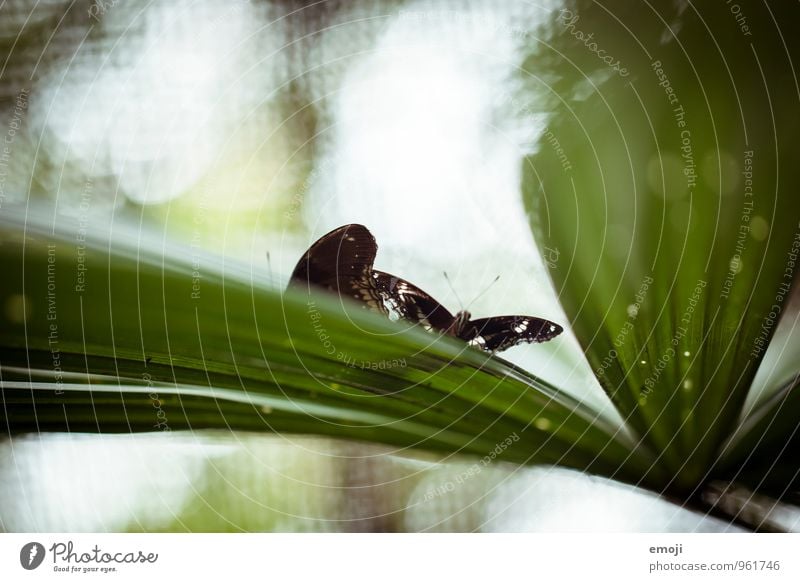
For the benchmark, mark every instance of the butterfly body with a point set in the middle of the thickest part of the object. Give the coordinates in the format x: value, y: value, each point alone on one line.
x: 341, y: 262
x: 460, y: 324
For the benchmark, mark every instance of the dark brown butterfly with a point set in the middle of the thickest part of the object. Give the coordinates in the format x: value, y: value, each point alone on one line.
x: 341, y: 262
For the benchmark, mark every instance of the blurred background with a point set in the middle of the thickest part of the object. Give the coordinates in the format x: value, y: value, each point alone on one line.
x: 241, y: 131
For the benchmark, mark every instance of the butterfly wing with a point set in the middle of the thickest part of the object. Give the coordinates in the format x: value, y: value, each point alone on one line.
x: 407, y: 301
x: 341, y: 262
x: 495, y: 334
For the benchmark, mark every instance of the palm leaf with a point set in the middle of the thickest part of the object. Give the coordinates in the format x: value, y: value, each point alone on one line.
x: 133, y: 342
x: 675, y: 218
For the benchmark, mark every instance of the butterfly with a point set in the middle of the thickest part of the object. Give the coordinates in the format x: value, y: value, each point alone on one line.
x: 341, y: 262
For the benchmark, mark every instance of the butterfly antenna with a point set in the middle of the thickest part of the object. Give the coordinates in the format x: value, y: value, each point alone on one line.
x: 453, y: 289
x: 482, y: 293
